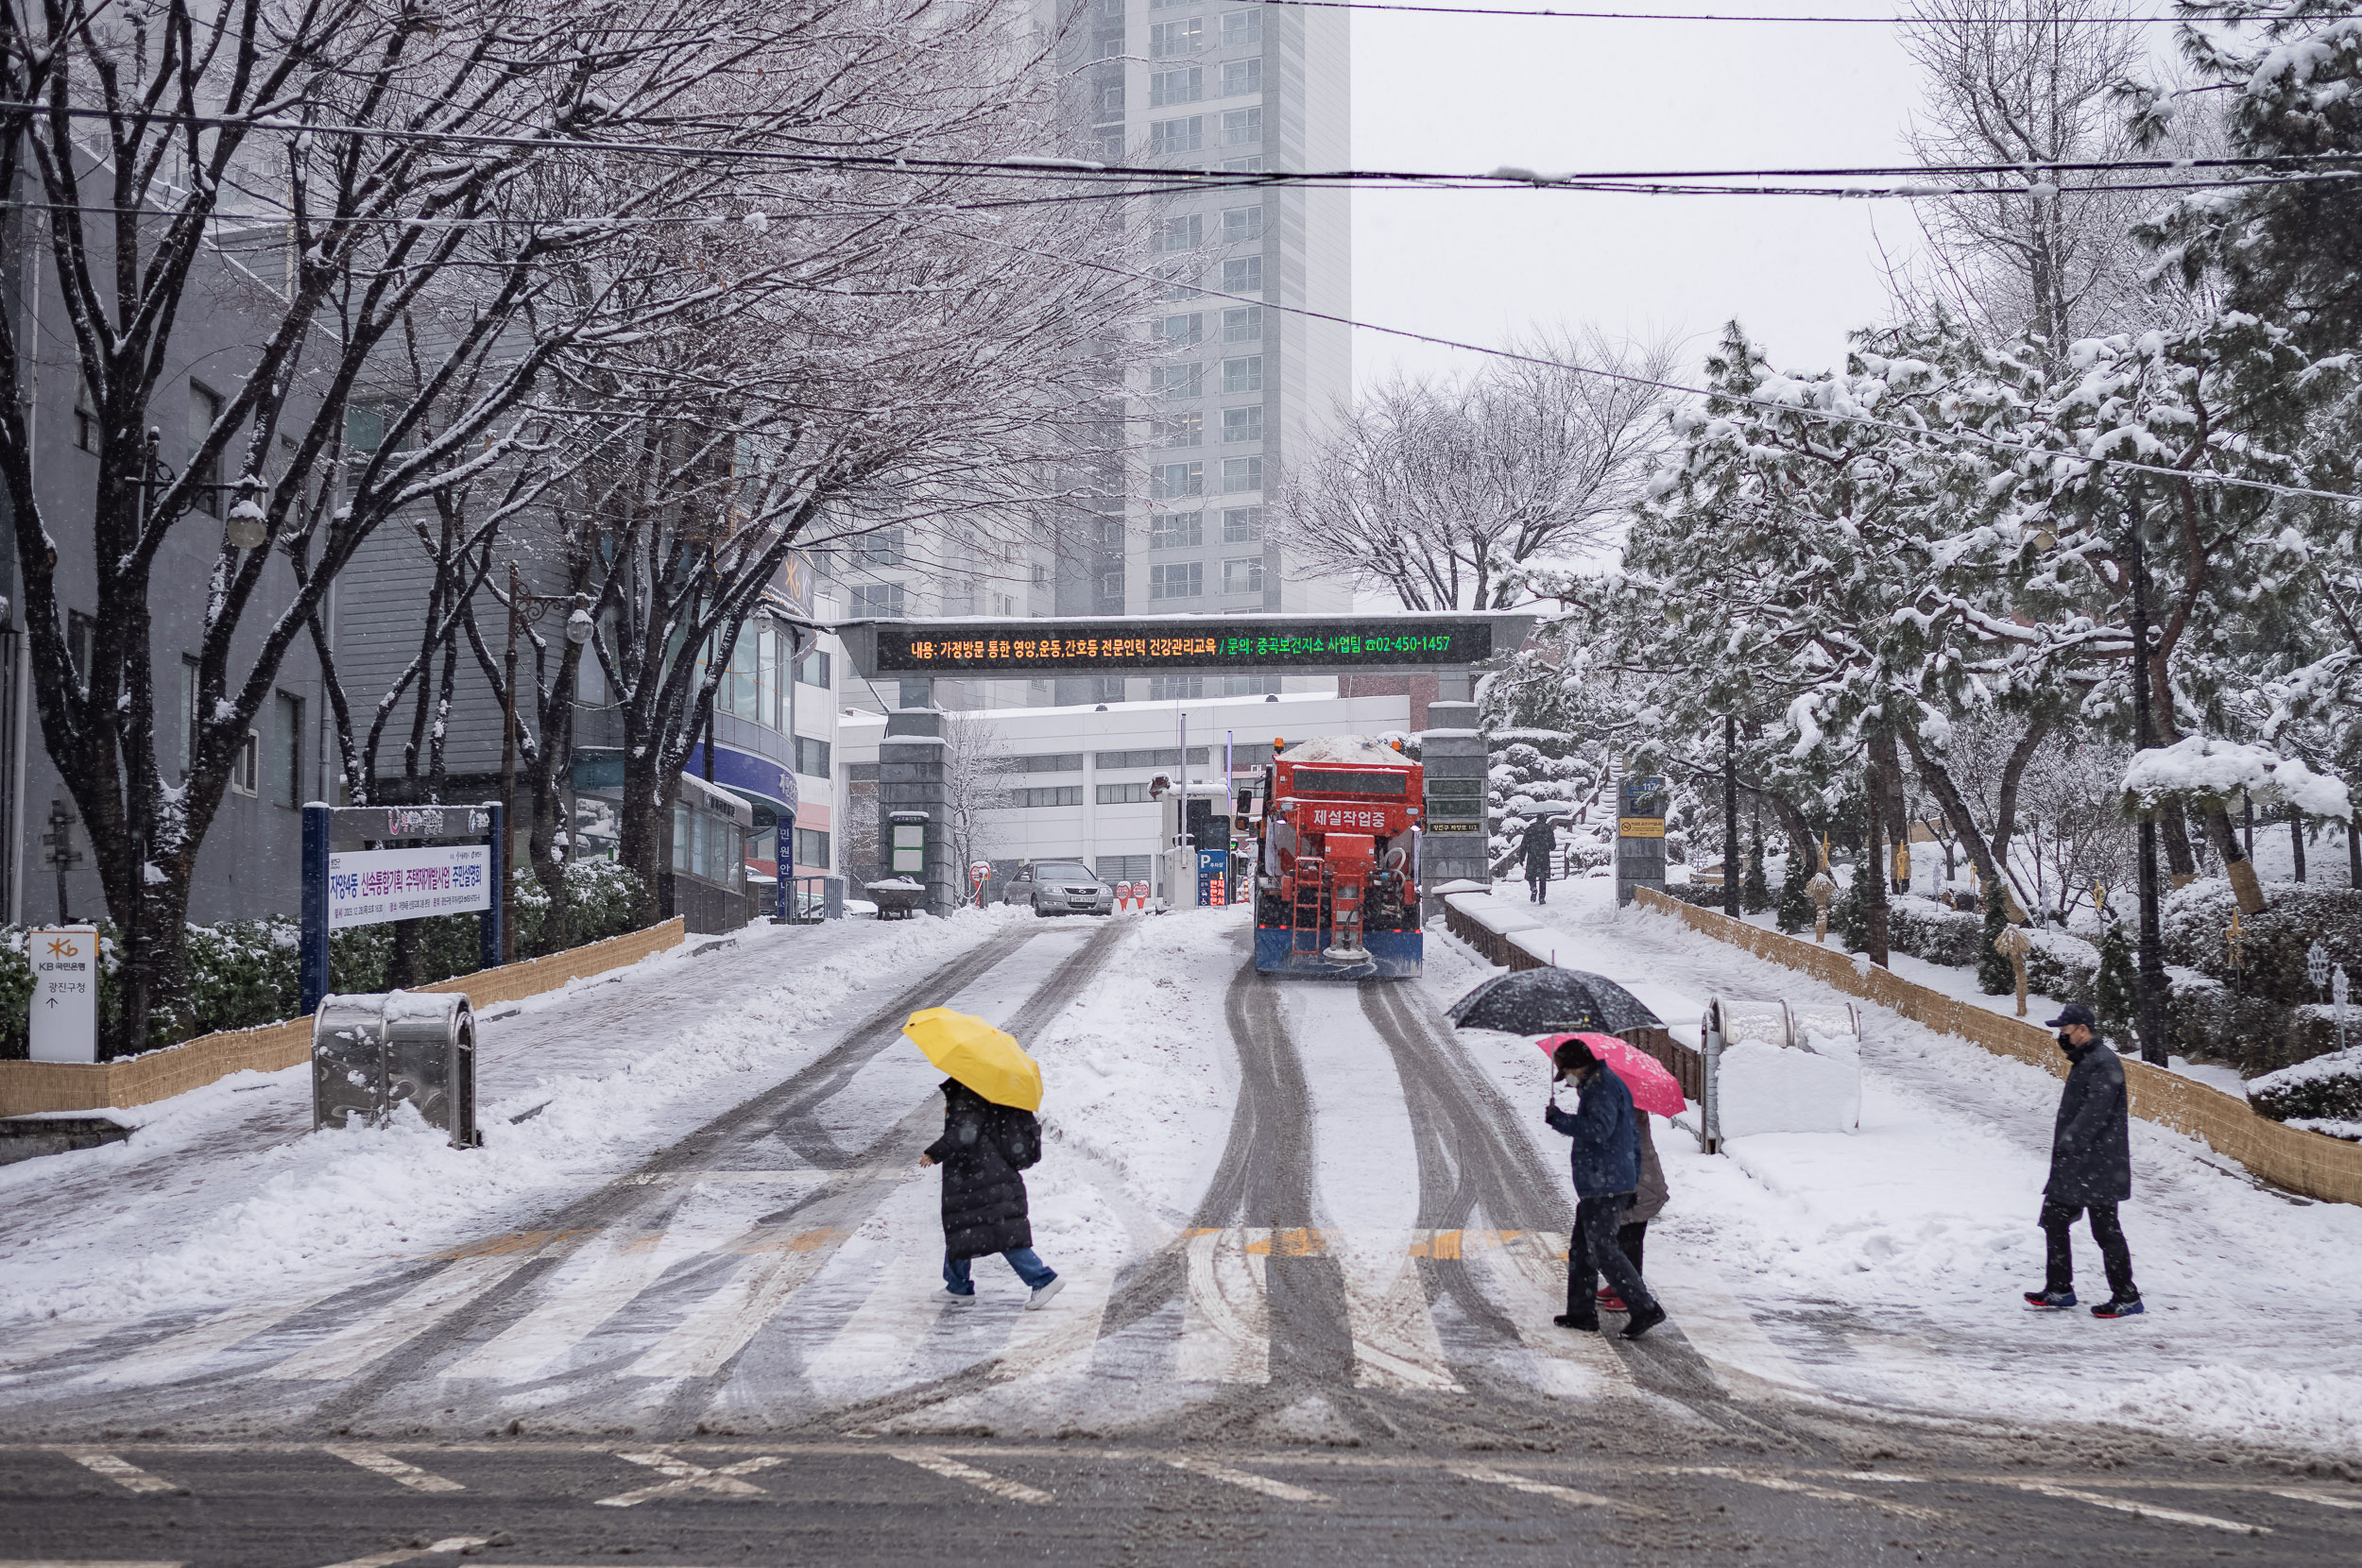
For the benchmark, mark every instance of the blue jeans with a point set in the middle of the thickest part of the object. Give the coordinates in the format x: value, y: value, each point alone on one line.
x: 1032, y: 1270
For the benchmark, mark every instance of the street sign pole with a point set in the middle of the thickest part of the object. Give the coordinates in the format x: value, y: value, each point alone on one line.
x: 313, y: 963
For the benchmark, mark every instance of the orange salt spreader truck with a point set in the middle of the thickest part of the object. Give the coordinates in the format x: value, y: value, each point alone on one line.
x: 1337, y: 861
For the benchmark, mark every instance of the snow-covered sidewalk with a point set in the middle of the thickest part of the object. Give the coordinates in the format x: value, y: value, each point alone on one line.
x: 1887, y: 1264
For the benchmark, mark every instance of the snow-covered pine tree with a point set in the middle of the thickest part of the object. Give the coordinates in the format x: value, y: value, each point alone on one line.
x: 2116, y: 995
x: 1795, y: 909
x: 1754, y: 894
x: 1994, y: 976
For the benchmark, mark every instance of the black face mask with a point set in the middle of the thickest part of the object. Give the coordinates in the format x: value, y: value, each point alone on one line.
x: 2065, y: 1044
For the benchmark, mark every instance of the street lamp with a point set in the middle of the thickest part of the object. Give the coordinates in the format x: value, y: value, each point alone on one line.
x: 525, y: 609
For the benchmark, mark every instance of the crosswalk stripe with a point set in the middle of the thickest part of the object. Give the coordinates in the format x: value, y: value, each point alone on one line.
x: 85, y: 1562
x: 1827, y: 1495
x: 1250, y: 1481
x: 352, y: 1348
x: 595, y: 1285
x: 702, y: 1343
x: 51, y: 1340
x: 394, y: 1470
x: 1058, y: 1340
x: 1225, y: 1323
x: 1394, y: 1341
x: 1529, y: 1280
x: 806, y: 1176
x: 952, y: 1470
x: 886, y: 1335
x: 2142, y: 1510
x: 444, y: 1547
x: 1539, y: 1489
x: 1718, y: 1326
x: 120, y: 1470
x: 199, y: 1344
x: 2301, y: 1495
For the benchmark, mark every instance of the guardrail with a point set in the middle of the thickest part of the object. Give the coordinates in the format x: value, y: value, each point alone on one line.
x: 2311, y: 1164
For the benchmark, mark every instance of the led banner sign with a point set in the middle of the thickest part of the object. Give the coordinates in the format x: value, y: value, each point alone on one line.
x: 1001, y: 648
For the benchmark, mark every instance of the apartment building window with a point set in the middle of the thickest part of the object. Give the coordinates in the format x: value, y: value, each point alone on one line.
x: 1182, y: 331
x: 1251, y: 164
x: 1243, y: 575
x: 1107, y: 46
x: 1167, y: 38
x: 883, y: 600
x: 1122, y: 794
x: 1176, y: 381
x: 1244, y: 324
x: 1172, y: 481
x: 1242, y: 274
x: 1242, y: 524
x: 246, y: 769
x: 1182, y: 234
x: 811, y: 847
x: 1044, y: 761
x: 1180, y: 283
x: 1172, y: 689
x: 1184, y: 429
x: 1109, y: 100
x: 881, y: 547
x: 1170, y: 757
x: 287, y: 750
x: 204, y: 409
x: 1106, y: 144
x: 1175, y: 530
x: 811, y: 756
x: 85, y: 414
x: 1249, y: 686
x: 1176, y: 87
x: 1244, y: 27
x: 1241, y: 224
x: 1242, y: 474
x: 1242, y: 127
x: 1177, y: 580
x: 1111, y: 532
x: 1046, y: 795
x: 814, y: 670
x: 1242, y: 424
x: 1041, y: 579
x: 1242, y: 375
x: 1241, y: 76
x: 1186, y: 134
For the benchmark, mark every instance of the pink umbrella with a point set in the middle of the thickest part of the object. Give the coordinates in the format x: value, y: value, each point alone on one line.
x: 1653, y: 1088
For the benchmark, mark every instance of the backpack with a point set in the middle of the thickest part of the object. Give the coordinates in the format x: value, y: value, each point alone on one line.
x: 1018, y: 1135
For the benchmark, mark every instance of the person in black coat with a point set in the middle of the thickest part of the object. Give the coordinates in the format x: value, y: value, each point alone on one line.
x: 1540, y: 842
x: 2091, y: 1168
x: 983, y: 1150
x: 1606, y: 1167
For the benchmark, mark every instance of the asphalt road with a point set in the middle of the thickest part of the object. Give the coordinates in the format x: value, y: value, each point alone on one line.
x: 1423, y: 1414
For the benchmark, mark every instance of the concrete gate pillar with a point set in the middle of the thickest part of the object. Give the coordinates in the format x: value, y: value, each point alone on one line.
x: 910, y: 778
x: 1453, y: 750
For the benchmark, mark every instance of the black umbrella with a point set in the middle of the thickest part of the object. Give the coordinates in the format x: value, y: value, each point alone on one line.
x: 1552, y: 1002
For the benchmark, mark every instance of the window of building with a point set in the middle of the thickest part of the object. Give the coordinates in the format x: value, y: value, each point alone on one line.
x: 188, y: 714
x: 1111, y: 532
x: 1041, y: 579
x: 813, y: 669
x: 1242, y: 474
x: 878, y: 599
x: 1241, y: 76
x: 1177, y: 580
x: 1122, y: 868
x: 1245, y: 26
x: 1242, y: 424
x: 1244, y: 324
x: 1174, y: 689
x: 1180, y: 283
x: 1251, y: 164
x: 1242, y: 127
x: 1169, y: 757
x: 1184, y: 86
x: 811, y: 756
x: 1249, y: 686
x: 1108, y: 101
x: 1242, y: 274
x: 1046, y: 795
x: 1176, y: 381
x: 1121, y: 795
x: 1171, y: 480
x: 1186, y: 134
x: 1241, y: 224
x: 881, y: 547
x: 81, y: 645
x: 287, y: 750
x: 1242, y: 375
x: 1044, y: 761
x: 1242, y: 524
x: 85, y: 414
x: 1184, y: 429
x: 914, y: 693
x: 1105, y: 143
x: 812, y: 848
x: 246, y: 769
x: 1175, y: 530
x: 1167, y: 38
x: 1243, y: 575
x: 204, y: 409
x: 1183, y: 331
x: 1183, y: 233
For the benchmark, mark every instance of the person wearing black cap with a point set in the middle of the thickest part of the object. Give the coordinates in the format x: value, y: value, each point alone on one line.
x: 1607, y: 1169
x: 2091, y: 1168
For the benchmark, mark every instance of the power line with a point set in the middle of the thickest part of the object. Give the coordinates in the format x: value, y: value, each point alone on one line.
x: 1715, y: 16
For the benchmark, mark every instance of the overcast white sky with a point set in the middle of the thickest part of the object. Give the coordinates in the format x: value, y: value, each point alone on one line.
x: 1477, y: 92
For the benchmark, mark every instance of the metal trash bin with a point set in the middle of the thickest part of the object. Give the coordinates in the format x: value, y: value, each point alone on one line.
x: 373, y: 1052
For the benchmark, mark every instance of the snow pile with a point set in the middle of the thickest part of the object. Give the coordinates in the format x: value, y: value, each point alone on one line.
x: 2203, y: 767
x: 1342, y: 748
x: 1768, y: 1088
x: 2319, y: 1410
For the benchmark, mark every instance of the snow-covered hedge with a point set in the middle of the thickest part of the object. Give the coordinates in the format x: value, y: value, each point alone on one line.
x: 2273, y: 945
x: 2327, y: 1088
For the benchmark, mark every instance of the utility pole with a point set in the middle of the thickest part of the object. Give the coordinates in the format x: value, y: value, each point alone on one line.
x: 1730, y: 815
x: 509, y: 763
x: 2151, y: 977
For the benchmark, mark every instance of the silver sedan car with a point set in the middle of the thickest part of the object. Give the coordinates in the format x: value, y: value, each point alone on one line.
x: 1060, y: 887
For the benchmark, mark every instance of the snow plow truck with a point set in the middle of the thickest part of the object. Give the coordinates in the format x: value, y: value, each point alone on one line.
x: 1337, y: 861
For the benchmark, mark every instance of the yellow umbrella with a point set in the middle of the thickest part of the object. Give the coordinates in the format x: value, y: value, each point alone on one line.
x: 979, y: 1055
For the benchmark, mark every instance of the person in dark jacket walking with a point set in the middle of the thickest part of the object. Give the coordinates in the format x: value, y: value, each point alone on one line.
x: 1606, y: 1161
x: 983, y: 1150
x: 2091, y: 1168
x: 1648, y: 1201
x: 1540, y: 842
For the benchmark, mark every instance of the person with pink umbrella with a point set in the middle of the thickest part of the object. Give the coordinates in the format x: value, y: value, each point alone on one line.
x: 1655, y: 1091
x: 1606, y: 1168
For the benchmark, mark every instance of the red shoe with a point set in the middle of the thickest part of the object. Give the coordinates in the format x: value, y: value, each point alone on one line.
x: 1610, y: 1301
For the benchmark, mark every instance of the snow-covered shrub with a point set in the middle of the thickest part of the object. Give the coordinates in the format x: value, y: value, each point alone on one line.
x: 1795, y: 908
x: 1994, y: 976
x: 2272, y: 944
x: 1924, y: 929
x: 2328, y: 1087
x: 2116, y: 995
x: 1754, y: 893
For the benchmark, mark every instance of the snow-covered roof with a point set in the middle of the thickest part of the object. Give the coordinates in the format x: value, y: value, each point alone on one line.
x: 1342, y: 748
